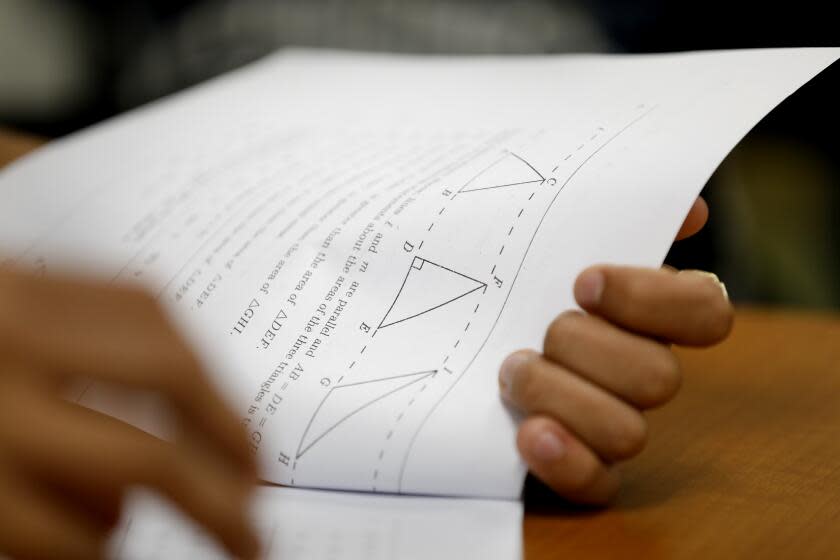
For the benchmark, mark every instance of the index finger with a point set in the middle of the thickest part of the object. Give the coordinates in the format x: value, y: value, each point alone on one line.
x: 119, y: 335
x: 690, y: 309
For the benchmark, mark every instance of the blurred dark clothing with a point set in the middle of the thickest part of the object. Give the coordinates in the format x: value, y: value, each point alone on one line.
x: 138, y: 50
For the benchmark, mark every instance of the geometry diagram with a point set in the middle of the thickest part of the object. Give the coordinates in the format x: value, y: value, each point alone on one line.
x: 344, y: 401
x: 428, y: 286
x: 508, y: 171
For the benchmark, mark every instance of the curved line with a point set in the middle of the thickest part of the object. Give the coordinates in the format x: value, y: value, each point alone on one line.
x: 534, y: 169
x: 326, y: 432
x: 513, y: 283
x: 397, y: 297
x: 311, y: 420
x: 480, y: 173
x: 382, y: 324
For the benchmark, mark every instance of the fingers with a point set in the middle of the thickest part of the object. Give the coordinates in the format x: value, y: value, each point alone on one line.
x: 584, y: 395
x: 100, y: 457
x: 640, y: 371
x: 535, y: 385
x: 565, y: 464
x: 685, y: 308
x: 35, y: 527
x: 116, y: 334
x: 695, y: 220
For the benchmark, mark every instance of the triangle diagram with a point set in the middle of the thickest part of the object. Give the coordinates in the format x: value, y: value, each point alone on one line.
x: 345, y: 401
x: 426, y: 287
x: 508, y: 171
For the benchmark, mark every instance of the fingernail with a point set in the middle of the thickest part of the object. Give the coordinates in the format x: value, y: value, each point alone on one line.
x: 713, y: 276
x: 507, y: 371
x: 589, y: 288
x: 548, y: 447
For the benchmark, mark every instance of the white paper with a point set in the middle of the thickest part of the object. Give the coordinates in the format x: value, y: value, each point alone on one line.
x: 424, y: 216
x: 306, y: 524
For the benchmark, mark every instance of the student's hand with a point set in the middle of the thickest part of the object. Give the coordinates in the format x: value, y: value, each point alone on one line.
x: 585, y: 394
x: 64, y: 469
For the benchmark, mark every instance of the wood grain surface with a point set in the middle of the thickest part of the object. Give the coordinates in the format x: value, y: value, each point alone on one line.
x: 15, y: 144
x: 744, y: 463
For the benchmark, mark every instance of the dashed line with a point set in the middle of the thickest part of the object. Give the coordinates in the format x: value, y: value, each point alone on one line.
x: 353, y: 364
x: 457, y: 343
x: 363, y: 349
x: 339, y: 379
x: 391, y: 432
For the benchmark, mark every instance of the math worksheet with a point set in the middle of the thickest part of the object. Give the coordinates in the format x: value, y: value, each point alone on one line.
x: 311, y: 524
x: 354, y: 242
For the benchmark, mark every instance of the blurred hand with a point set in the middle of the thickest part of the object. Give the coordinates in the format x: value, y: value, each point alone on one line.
x: 585, y: 394
x: 64, y: 469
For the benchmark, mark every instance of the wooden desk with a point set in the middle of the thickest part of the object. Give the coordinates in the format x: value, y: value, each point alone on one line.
x: 13, y: 145
x: 745, y: 462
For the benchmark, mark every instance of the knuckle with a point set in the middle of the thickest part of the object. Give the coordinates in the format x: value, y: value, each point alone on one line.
x: 628, y: 436
x: 662, y: 380
x: 163, y: 468
x: 721, y: 317
x: 527, y: 385
x: 632, y: 286
x: 175, y: 384
x: 560, y: 332
x: 583, y: 478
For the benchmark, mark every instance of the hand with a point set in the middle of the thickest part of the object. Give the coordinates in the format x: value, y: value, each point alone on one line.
x: 64, y: 469
x: 584, y: 396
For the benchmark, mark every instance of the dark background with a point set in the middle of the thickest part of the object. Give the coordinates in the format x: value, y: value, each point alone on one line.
x: 774, y: 232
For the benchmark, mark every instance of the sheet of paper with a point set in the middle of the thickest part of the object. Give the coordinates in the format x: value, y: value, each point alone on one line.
x: 355, y: 242
x: 304, y: 525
